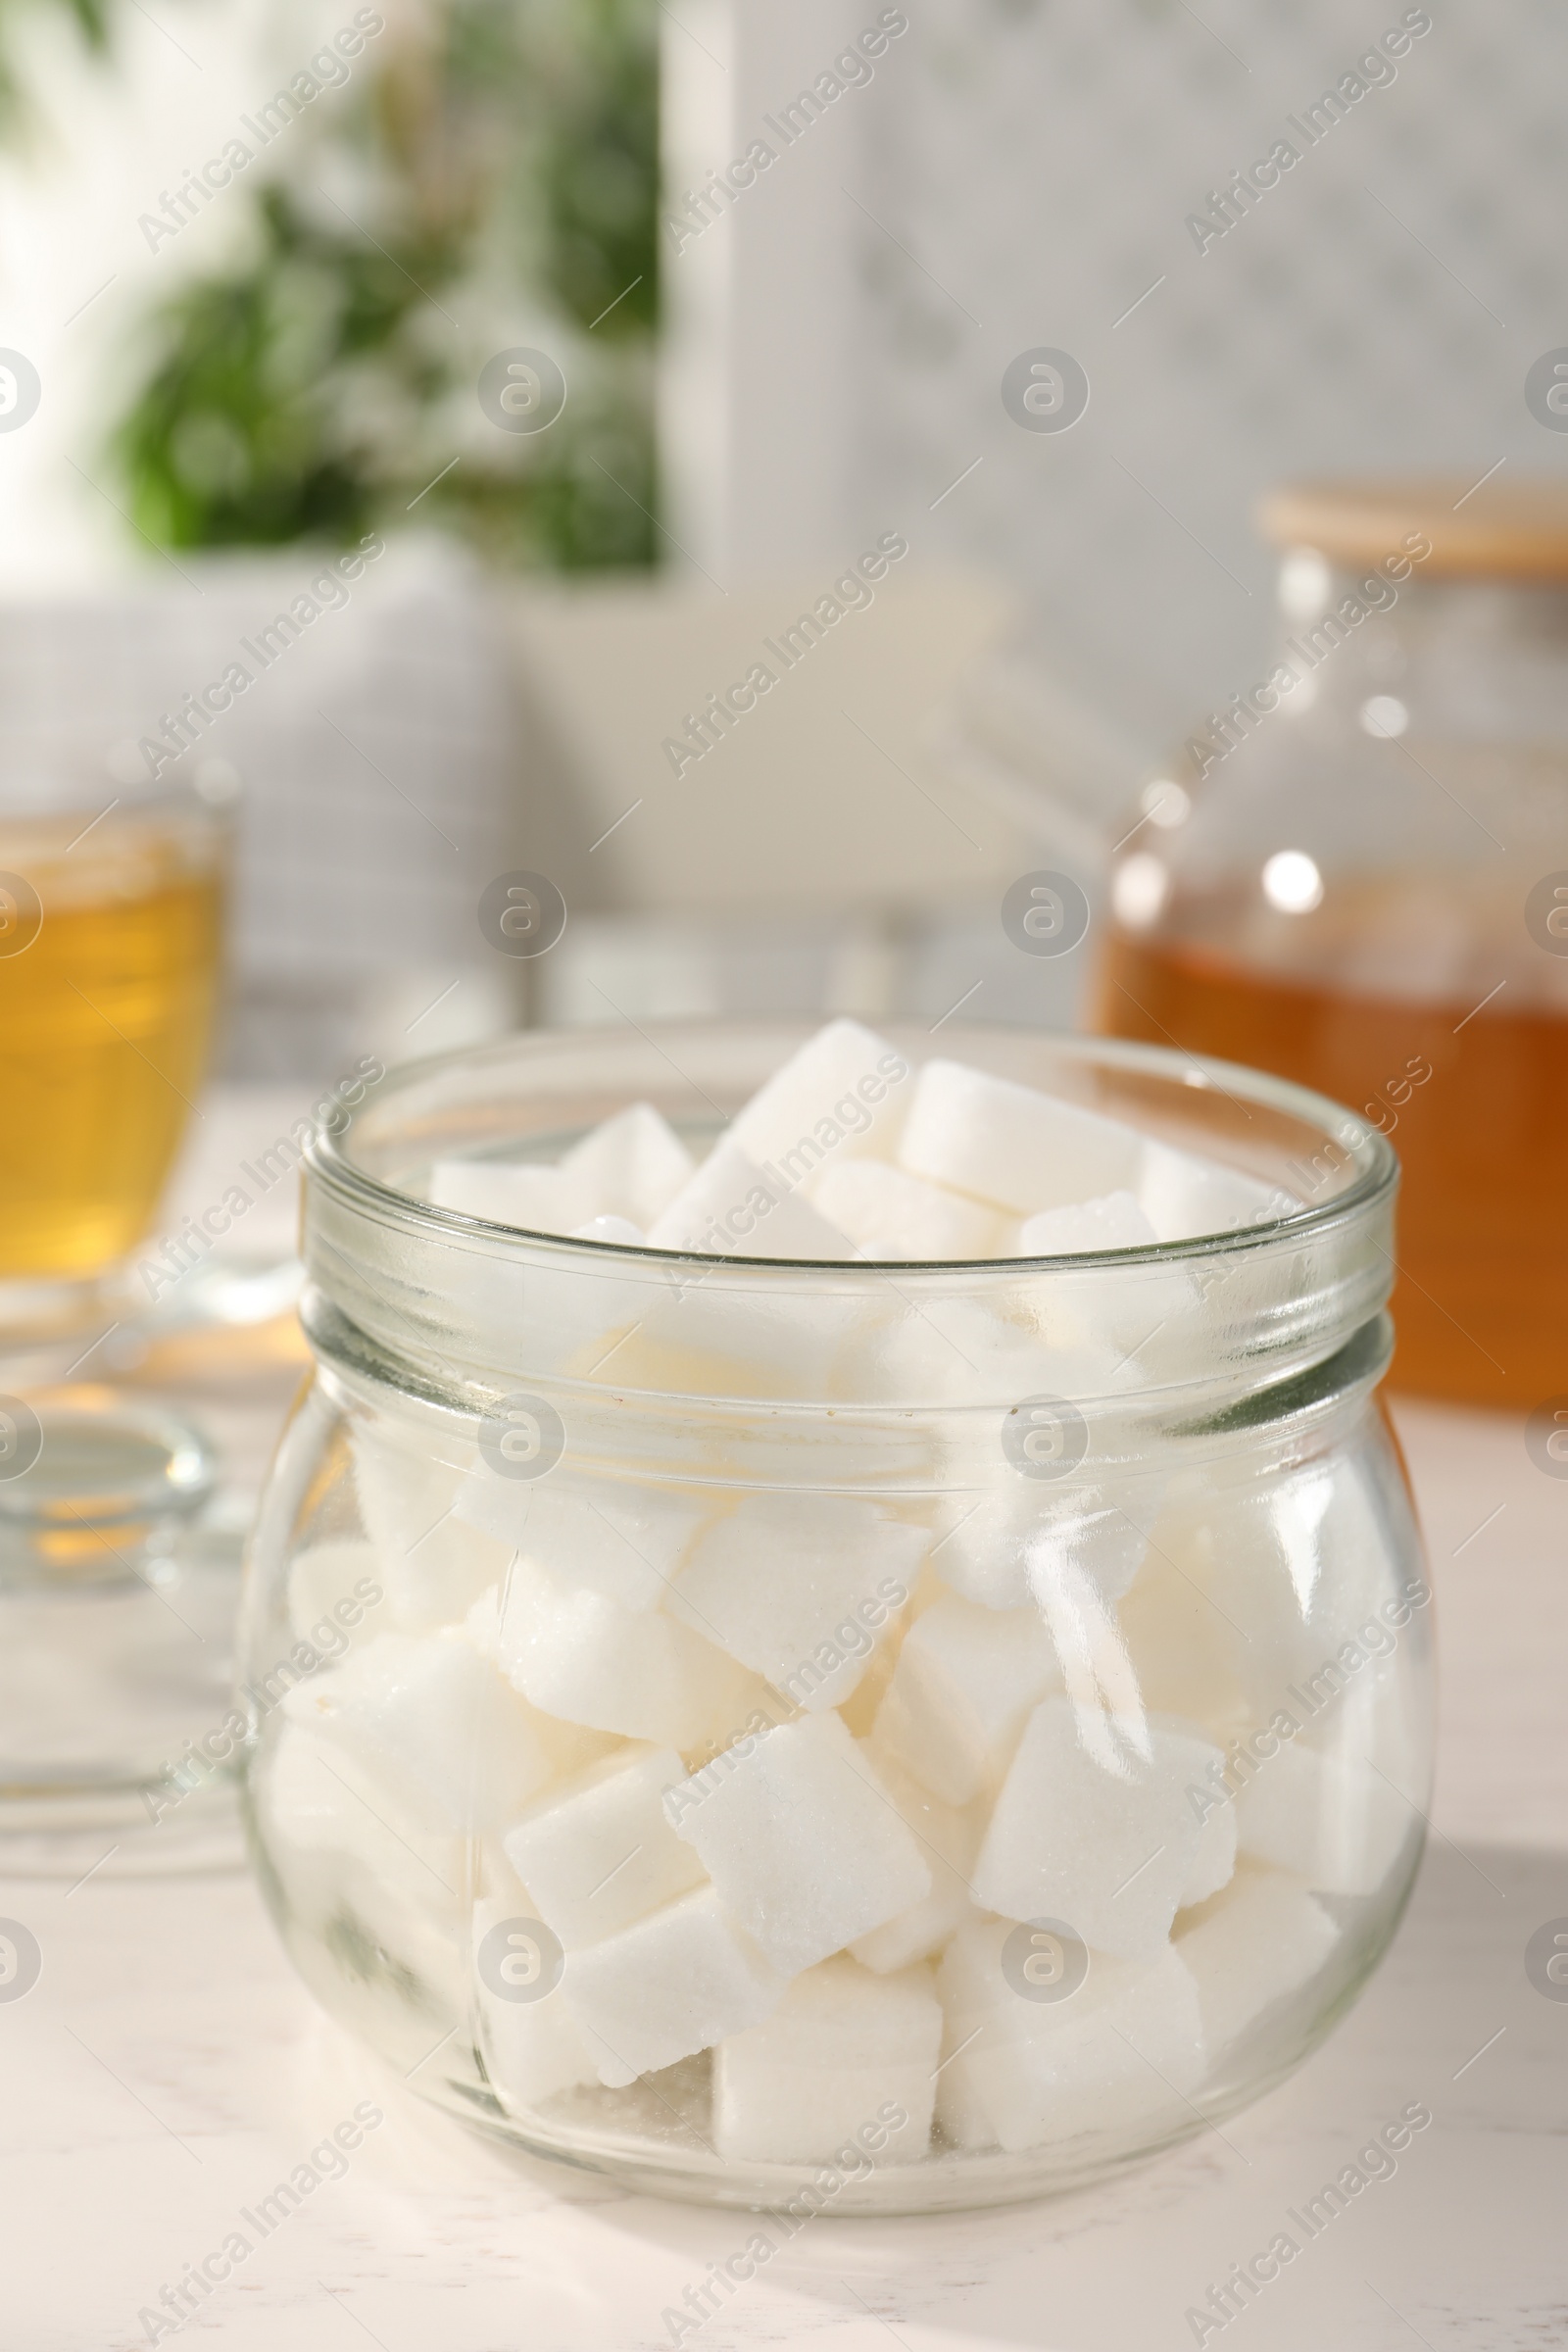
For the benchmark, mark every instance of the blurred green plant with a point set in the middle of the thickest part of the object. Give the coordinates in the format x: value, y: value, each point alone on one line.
x: 488, y: 180
x: 91, y: 19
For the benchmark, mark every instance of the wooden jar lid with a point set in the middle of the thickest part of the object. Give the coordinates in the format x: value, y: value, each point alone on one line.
x: 1511, y: 530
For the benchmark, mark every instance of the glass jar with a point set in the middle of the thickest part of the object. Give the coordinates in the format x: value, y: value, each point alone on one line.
x: 1357, y: 875
x: 753, y: 1727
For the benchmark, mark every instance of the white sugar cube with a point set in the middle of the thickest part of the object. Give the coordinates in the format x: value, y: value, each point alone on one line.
x: 1263, y: 1938
x: 334, y: 1589
x: 730, y: 1208
x: 579, y: 1655
x: 619, y: 1538
x: 890, y: 1215
x: 378, y: 1943
x: 1086, y: 1532
x: 1183, y: 1195
x: 315, y: 1798
x: 673, y: 1983
x: 1010, y: 1545
x: 712, y: 1333
x: 961, y: 1350
x: 433, y: 1566
x: 1116, y: 2056
x: 598, y: 1851
x: 528, y: 1197
x: 630, y: 1167
x: 965, y: 1680
x: 1097, y: 1828
x: 1182, y: 1647
x: 429, y: 1721
x: 841, y: 2048
x: 1213, y: 1865
x: 800, y: 1587
x: 531, y: 2047
x: 802, y: 1842
x: 1298, y: 1566
x: 1007, y: 1144
x: 841, y: 1094
x: 1331, y: 1819
x: 1112, y: 1222
x: 949, y: 1838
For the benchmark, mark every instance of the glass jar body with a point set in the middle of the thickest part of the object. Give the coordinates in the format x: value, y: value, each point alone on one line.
x: 1357, y: 875
x: 826, y: 1799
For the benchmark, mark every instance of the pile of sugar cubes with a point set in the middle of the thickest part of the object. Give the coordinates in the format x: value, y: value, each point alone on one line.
x: 847, y: 1153
x: 785, y: 1788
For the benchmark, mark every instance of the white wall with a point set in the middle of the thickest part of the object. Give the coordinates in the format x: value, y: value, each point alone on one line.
x: 1030, y: 164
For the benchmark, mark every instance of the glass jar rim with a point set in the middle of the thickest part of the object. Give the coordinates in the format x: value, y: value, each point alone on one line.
x: 466, y: 1314
x: 1376, y: 1163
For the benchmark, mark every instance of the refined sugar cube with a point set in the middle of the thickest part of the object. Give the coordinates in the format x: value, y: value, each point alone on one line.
x: 742, y: 1338
x: 841, y: 2049
x: 1081, y: 1535
x: 803, y: 1845
x: 981, y: 1549
x: 1007, y: 1144
x: 1298, y: 1569
x: 949, y: 1837
x: 598, y: 1853
x: 965, y: 1679
x: 673, y: 1983
x: 315, y: 1797
x: 800, y: 1587
x: 1097, y: 1828
x: 430, y: 1721
x: 1112, y: 1222
x: 1214, y: 1863
x: 433, y: 1566
x: 730, y: 1208
x: 619, y: 1538
x: 1183, y: 1196
x: 957, y: 1350
x: 1183, y: 1649
x: 532, y: 1199
x: 1331, y: 1819
x: 890, y: 1215
x: 1120, y: 2054
x: 631, y: 1167
x: 531, y: 2049
x: 1250, y: 1946
x: 577, y: 1654
x: 333, y: 1591
x: 841, y: 1094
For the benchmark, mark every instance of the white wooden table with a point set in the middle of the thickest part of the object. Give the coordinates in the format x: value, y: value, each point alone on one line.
x: 168, y: 2069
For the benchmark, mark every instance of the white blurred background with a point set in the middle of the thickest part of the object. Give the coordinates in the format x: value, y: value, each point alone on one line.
x: 821, y: 366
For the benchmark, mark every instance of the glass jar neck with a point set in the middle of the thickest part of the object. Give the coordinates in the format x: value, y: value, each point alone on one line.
x: 1460, y: 658
x: 1502, y: 610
